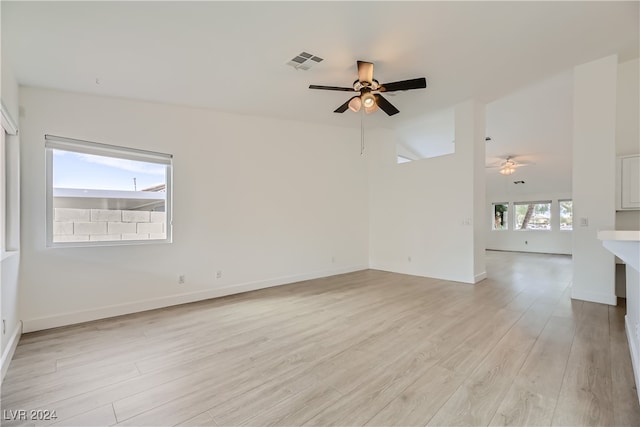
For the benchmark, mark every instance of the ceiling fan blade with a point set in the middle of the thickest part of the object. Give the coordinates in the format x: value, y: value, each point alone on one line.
x: 344, y: 107
x: 385, y: 105
x: 342, y: 89
x: 365, y: 71
x: 419, y: 83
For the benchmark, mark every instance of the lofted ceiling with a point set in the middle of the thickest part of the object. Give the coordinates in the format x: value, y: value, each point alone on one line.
x: 533, y: 125
x: 232, y: 56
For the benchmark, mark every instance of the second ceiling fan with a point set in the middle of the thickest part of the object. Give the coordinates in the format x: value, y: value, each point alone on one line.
x: 369, y: 88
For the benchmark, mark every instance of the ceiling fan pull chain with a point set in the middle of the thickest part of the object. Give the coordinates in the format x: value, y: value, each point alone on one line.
x: 362, y: 132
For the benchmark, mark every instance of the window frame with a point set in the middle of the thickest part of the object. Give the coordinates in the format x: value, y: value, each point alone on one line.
x: 533, y: 202
x: 53, y: 142
x: 9, y: 186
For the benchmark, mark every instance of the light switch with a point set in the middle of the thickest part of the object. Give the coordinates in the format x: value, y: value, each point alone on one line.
x: 584, y: 222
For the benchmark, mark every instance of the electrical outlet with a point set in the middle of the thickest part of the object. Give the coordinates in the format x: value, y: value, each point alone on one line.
x: 409, y: 258
x: 584, y: 222
x: 182, y: 279
x: 219, y: 274
x: 333, y: 260
x: 526, y: 242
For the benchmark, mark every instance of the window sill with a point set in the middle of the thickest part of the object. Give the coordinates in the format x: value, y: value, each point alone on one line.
x: 96, y: 243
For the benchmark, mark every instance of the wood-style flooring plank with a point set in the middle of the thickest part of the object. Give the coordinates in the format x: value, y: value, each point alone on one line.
x: 626, y: 411
x: 585, y: 397
x: 532, y: 397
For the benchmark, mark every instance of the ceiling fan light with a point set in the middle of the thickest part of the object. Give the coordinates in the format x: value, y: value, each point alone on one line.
x: 355, y: 104
x: 371, y: 109
x: 507, y: 170
x: 368, y: 100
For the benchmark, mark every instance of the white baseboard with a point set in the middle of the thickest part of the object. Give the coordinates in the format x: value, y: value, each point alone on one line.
x: 8, y: 352
x: 72, y: 318
x: 480, y: 277
x: 635, y: 356
x: 394, y: 269
x: 598, y: 297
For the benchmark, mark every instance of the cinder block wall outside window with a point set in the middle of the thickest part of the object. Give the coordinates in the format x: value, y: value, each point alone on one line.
x: 83, y: 225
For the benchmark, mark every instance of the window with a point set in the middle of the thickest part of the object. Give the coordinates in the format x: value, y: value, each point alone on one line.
x: 100, y: 194
x: 566, y: 214
x: 500, y: 212
x: 532, y: 215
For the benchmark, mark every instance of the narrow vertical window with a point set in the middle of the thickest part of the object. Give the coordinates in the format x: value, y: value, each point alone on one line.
x: 500, y: 216
x: 566, y: 214
x: 101, y: 194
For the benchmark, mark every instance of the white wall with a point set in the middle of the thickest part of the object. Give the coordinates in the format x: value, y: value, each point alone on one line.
x: 594, y: 130
x: 422, y: 213
x: 264, y: 201
x: 10, y: 256
x: 628, y: 128
x: 628, y: 110
x: 553, y: 241
x: 431, y: 135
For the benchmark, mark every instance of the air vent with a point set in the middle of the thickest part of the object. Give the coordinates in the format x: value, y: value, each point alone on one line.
x: 304, y: 61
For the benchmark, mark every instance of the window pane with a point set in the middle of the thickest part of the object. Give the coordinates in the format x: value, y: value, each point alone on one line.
x: 566, y: 214
x: 500, y: 216
x: 104, y: 198
x: 532, y: 215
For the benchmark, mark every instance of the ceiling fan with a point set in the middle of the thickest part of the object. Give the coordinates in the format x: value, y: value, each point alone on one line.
x: 369, y: 88
x: 509, y: 165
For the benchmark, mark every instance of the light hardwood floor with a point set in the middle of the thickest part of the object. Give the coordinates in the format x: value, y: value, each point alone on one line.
x: 369, y: 347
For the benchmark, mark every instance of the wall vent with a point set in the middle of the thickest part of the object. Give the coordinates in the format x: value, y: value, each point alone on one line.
x: 304, y: 61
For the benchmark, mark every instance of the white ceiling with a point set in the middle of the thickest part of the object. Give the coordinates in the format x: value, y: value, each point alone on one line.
x: 232, y: 56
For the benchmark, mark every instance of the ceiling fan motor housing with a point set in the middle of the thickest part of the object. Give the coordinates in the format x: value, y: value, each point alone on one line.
x: 359, y: 85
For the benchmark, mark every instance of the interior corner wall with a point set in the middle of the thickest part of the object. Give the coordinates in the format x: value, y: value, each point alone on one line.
x: 422, y: 214
x: 594, y: 130
x: 264, y: 201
